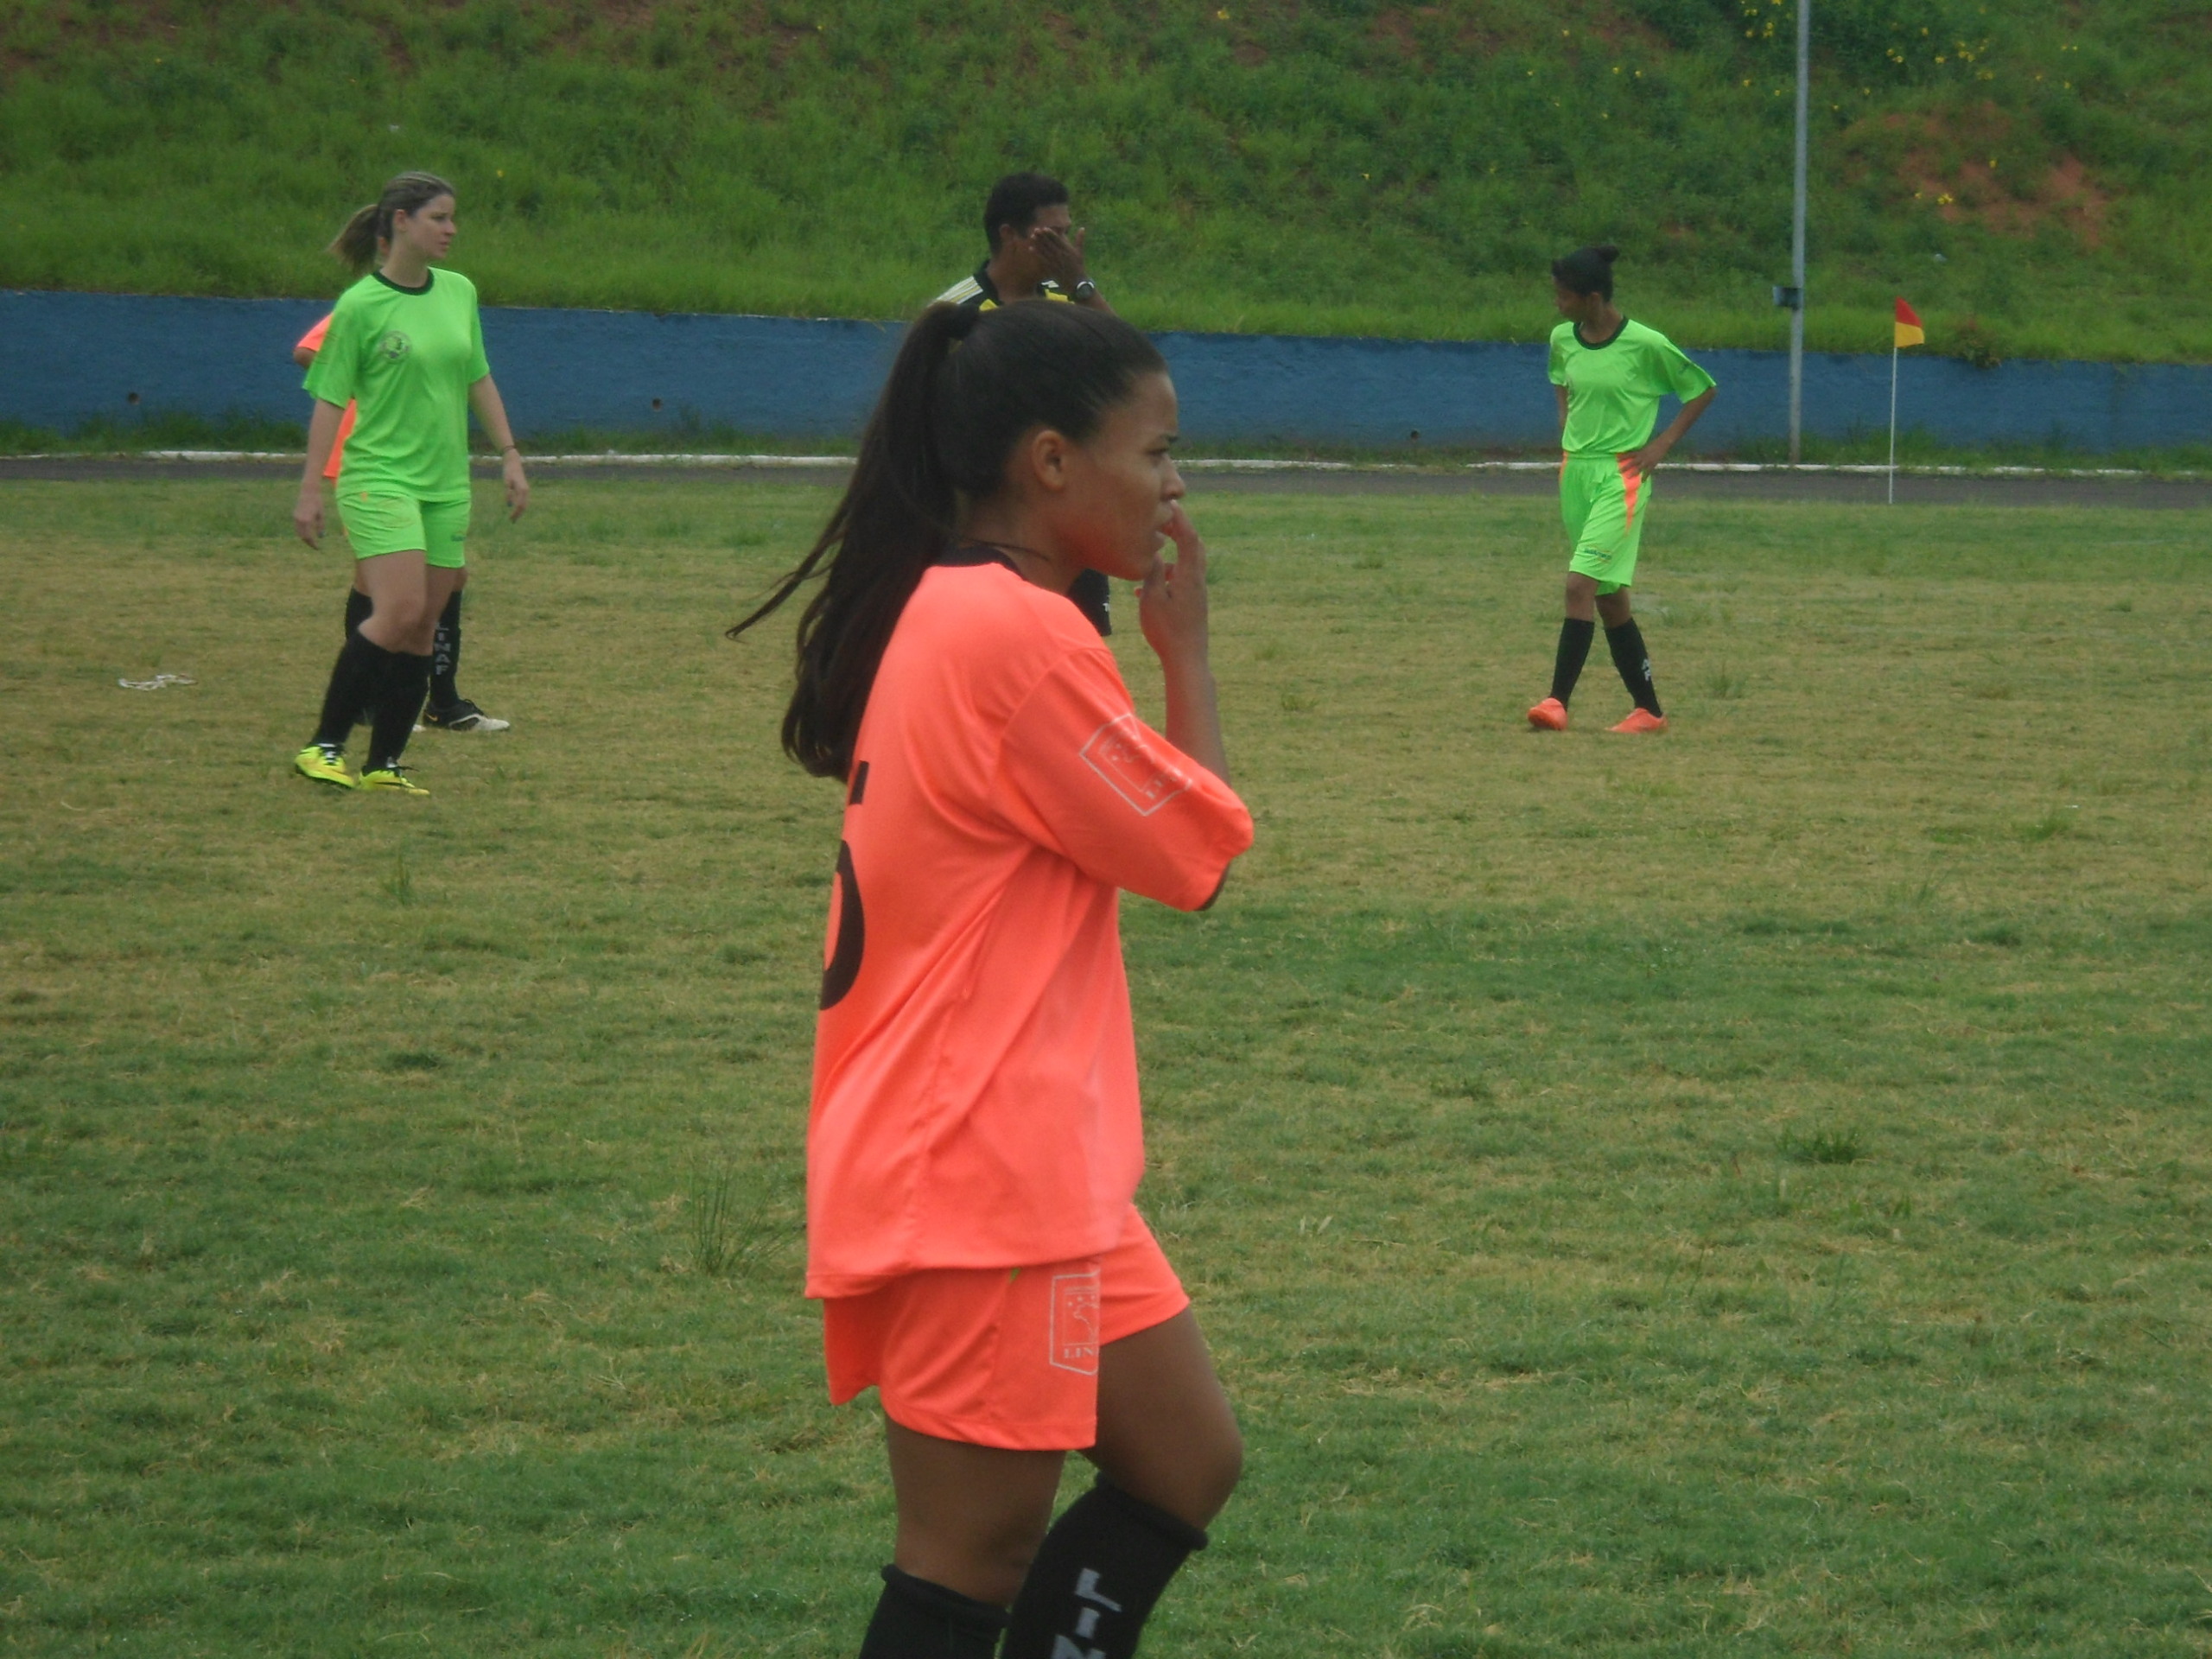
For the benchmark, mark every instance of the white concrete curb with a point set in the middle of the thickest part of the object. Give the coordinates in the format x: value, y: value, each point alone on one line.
x: 1253, y: 465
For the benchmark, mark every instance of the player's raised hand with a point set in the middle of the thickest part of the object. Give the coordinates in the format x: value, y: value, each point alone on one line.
x: 1062, y: 253
x: 1172, y: 605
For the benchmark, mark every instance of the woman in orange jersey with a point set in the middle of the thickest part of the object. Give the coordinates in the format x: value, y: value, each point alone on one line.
x: 975, y: 1143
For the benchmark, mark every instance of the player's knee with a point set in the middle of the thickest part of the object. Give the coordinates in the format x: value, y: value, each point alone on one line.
x: 1205, y: 1476
x: 403, y: 614
x: 980, y: 1575
x: 1001, y: 1566
x: 1221, y: 1473
x: 985, y: 1558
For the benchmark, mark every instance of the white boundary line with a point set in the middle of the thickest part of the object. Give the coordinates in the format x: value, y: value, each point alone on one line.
x: 1254, y: 464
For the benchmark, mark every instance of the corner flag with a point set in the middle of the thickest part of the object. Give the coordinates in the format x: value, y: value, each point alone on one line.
x: 1908, y: 331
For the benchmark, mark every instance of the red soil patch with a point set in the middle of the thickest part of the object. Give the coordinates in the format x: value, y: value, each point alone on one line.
x: 1402, y: 28
x: 142, y: 26
x: 1957, y: 162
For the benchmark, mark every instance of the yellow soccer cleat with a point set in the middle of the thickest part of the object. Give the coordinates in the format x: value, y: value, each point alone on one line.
x: 325, y: 765
x: 394, y: 779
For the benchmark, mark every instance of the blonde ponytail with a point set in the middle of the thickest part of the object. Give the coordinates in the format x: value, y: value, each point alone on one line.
x: 355, y: 245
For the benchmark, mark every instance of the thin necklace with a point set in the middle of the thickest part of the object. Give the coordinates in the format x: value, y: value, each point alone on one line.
x: 1006, y: 547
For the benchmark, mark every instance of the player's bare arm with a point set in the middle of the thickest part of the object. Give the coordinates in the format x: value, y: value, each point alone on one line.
x: 1172, y: 611
x: 1646, y: 459
x: 484, y: 398
x: 323, y: 433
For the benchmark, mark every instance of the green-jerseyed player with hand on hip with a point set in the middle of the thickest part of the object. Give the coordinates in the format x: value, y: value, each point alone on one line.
x: 1609, y: 374
x: 406, y: 347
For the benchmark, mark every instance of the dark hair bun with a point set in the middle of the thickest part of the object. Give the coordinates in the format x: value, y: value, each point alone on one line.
x: 1587, y: 270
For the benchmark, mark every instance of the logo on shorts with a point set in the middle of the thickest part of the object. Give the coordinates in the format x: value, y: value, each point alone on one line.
x: 1075, y: 1322
x: 1118, y: 752
x: 394, y: 345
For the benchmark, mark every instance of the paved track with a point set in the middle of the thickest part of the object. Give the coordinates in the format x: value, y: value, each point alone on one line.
x: 1725, y: 486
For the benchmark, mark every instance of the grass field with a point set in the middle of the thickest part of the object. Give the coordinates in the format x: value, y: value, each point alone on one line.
x: 1916, y: 448
x: 2030, y: 175
x: 1744, y: 1192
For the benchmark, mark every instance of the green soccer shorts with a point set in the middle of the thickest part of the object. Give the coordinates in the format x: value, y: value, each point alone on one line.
x: 1602, y: 501
x: 377, y: 524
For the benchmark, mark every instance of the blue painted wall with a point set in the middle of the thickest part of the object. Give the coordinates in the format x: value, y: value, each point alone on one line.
x: 68, y: 357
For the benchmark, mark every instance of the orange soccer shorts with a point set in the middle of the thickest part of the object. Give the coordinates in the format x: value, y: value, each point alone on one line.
x: 1004, y: 1356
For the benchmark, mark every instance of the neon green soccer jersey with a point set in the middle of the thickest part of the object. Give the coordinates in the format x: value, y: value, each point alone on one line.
x: 1613, y: 389
x: 408, y: 358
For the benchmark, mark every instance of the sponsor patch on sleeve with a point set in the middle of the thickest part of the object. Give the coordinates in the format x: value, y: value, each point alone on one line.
x: 1118, y: 752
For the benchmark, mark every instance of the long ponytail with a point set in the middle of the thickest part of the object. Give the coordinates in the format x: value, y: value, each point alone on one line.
x: 963, y: 391
x: 357, y: 241
x: 896, y: 515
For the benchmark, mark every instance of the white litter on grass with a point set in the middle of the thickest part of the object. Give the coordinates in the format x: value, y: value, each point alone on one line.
x: 157, y: 682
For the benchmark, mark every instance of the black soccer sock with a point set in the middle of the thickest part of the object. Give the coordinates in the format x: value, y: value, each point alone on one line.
x: 1097, y: 1576
x: 1094, y: 596
x: 916, y: 1619
x: 1626, y: 643
x: 354, y: 679
x: 358, y: 608
x: 445, y: 655
x: 1574, y: 638
x: 399, y: 700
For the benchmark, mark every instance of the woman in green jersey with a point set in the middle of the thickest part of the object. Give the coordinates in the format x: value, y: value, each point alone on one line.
x: 406, y: 347
x: 1609, y: 374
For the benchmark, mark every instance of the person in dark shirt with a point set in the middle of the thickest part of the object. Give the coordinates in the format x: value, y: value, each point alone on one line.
x: 1036, y: 254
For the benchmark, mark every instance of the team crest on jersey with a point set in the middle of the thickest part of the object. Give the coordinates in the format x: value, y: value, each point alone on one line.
x: 1075, y: 1322
x: 394, y: 345
x: 1119, y: 752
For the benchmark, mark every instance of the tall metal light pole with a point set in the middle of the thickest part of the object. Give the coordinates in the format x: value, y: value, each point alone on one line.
x: 1797, y: 239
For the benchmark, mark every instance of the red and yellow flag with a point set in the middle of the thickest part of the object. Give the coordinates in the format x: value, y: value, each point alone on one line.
x: 1909, y: 333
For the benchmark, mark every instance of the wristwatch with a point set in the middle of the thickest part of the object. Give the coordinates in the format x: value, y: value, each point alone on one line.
x: 1085, y: 289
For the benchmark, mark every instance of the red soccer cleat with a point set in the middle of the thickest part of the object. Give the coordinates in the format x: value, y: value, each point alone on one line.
x: 1549, y: 716
x: 1640, y: 720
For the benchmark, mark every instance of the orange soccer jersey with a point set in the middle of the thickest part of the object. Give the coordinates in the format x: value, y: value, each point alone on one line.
x: 975, y: 1072
x: 312, y: 341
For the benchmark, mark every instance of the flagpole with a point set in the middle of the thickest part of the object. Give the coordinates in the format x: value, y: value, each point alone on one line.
x: 1893, y: 422
x: 1797, y: 239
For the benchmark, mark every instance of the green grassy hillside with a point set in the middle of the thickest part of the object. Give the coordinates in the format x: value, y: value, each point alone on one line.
x: 2027, y: 173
